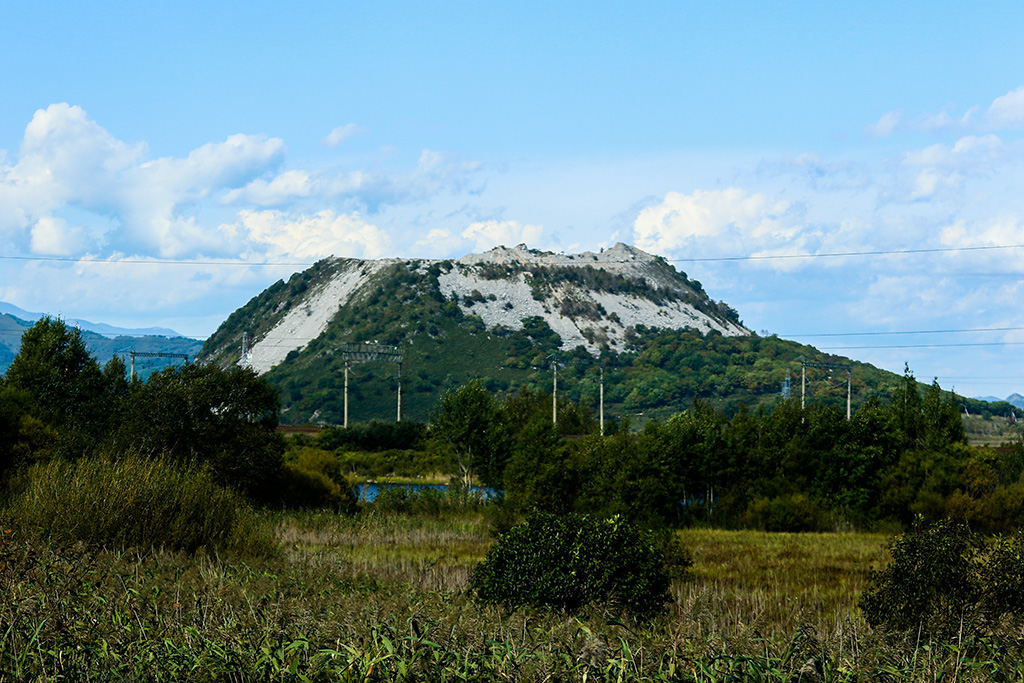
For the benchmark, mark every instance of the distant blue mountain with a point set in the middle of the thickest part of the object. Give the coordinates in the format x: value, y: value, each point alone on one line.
x: 99, y: 328
x: 102, y: 347
x: 1015, y: 400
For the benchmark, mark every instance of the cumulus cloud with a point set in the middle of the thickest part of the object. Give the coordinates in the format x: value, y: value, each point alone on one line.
x: 732, y: 217
x: 1006, y: 111
x: 342, y: 133
x: 884, y: 126
x: 273, y: 233
x: 54, y: 237
x: 67, y: 160
x: 434, y: 173
x: 489, y: 234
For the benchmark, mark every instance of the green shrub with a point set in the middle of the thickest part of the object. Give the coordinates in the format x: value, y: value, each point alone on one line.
x: 302, y: 488
x: 570, y: 561
x: 1002, y: 577
x: 135, y: 501
x: 932, y: 582
x: 314, y: 478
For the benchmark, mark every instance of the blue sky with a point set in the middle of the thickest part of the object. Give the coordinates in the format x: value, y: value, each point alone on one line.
x: 259, y: 133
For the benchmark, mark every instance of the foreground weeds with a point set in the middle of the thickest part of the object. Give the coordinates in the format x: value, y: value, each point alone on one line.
x: 378, y: 598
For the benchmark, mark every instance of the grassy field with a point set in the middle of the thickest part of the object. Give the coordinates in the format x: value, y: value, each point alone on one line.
x: 381, y: 597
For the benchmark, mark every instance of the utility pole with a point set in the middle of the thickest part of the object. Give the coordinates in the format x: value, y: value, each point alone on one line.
x: 831, y: 366
x: 399, y: 418
x: 361, y: 353
x: 803, y: 384
x: 601, y: 402
x: 849, y: 391
x: 554, y: 392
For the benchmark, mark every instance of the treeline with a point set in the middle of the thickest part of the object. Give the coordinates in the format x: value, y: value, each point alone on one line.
x: 778, y: 467
x: 58, y: 404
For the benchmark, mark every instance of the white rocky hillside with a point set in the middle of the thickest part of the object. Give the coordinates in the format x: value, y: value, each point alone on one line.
x: 584, y: 305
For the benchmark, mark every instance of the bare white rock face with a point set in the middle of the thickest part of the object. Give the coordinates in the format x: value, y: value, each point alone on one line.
x: 506, y: 301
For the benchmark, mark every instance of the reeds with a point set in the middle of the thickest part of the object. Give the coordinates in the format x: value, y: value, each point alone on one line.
x: 349, y: 599
x: 135, y: 501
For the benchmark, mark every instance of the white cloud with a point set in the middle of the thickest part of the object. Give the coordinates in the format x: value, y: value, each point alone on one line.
x: 489, y: 234
x: 884, y: 126
x: 53, y: 237
x: 273, y: 234
x: 1006, y: 111
x: 67, y: 160
x: 342, y: 133
x: 733, y: 218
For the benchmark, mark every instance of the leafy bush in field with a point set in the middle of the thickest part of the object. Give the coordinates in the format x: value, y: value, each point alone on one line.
x: 931, y: 581
x: 136, y: 502
x: 302, y: 488
x: 570, y: 561
x: 945, y: 578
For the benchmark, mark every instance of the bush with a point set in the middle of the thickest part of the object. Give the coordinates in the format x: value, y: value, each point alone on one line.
x: 376, y: 435
x: 302, y: 488
x: 136, y: 501
x: 570, y: 561
x: 932, y: 582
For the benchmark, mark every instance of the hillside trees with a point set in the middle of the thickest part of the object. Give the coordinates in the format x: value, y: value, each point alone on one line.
x: 225, y: 419
x: 468, y: 420
x: 56, y: 400
x: 779, y: 467
x: 56, y: 371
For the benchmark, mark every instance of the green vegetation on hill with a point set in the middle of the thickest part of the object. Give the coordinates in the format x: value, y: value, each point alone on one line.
x: 660, y: 373
x: 105, y: 348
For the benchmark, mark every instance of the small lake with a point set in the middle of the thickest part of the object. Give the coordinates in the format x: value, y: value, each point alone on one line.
x: 368, y: 491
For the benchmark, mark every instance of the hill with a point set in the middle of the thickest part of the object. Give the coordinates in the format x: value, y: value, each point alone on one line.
x: 103, y: 348
x: 506, y: 316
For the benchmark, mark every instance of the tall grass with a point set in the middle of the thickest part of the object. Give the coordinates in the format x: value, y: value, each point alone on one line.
x: 347, y: 599
x: 135, y: 501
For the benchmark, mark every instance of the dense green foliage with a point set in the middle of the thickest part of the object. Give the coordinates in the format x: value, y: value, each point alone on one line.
x: 945, y: 579
x: 445, y: 346
x: 570, y: 561
x: 777, y: 468
x: 58, y: 403
x: 135, y: 502
x: 225, y: 419
x: 374, y: 436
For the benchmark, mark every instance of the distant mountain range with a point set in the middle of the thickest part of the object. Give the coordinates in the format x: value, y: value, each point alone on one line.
x: 1015, y: 400
x: 99, y: 328
x: 103, y: 341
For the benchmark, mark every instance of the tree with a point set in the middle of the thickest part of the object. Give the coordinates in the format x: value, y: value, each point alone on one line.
x: 55, y: 367
x: 56, y: 370
x: 468, y: 420
x: 226, y: 419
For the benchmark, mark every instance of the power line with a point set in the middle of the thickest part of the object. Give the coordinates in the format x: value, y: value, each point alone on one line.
x: 919, y: 346
x: 708, y: 259
x: 891, y: 252
x: 872, y: 334
x: 151, y: 262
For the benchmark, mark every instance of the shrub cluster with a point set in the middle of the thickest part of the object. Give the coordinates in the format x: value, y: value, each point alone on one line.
x: 945, y: 578
x: 568, y: 562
